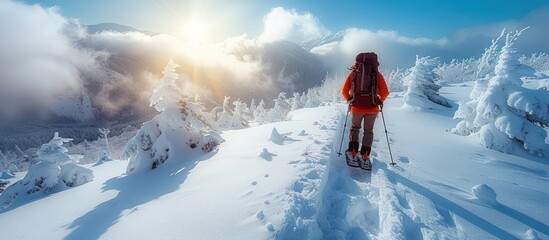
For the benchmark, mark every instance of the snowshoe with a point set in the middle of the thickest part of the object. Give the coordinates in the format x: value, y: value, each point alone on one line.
x: 365, y: 163
x: 352, y: 161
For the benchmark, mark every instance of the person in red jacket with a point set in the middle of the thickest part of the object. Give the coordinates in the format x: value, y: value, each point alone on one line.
x: 364, y: 112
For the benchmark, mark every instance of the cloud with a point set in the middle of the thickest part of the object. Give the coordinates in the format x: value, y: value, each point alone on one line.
x: 39, y: 60
x: 470, y: 42
x: 395, y: 50
x: 282, y: 24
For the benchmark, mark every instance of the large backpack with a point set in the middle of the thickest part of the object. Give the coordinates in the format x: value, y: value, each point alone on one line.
x: 365, y: 89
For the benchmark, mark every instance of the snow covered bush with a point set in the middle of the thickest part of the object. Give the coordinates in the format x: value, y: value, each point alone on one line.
x: 55, y: 172
x: 422, y: 85
x: 457, y: 71
x: 180, y: 131
x: 236, y: 118
x: 395, y: 79
x: 505, y: 112
x: 538, y: 61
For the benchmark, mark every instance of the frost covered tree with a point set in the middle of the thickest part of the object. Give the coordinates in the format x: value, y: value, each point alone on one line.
x: 180, y: 131
x: 6, y: 171
x: 251, y: 109
x: 395, y: 80
x: 240, y: 118
x: 260, y: 113
x: 7, y: 166
x: 485, y: 70
x: 422, y: 85
x: 280, y: 109
x: 313, y: 98
x: 224, y: 119
x: 538, y: 61
x: 506, y: 112
x: 295, y: 101
x: 167, y: 93
x: 456, y: 71
x: 488, y: 60
x: 105, y: 156
x: 55, y: 172
x: 304, y: 99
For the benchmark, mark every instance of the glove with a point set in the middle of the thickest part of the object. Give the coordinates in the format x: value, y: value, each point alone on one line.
x: 350, y: 100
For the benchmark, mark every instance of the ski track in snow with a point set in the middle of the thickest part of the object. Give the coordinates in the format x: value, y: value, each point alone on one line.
x: 358, y: 204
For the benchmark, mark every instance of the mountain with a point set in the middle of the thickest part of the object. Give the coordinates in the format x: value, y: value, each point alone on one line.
x: 334, y: 37
x: 118, y: 86
x: 114, y: 27
x: 443, y: 186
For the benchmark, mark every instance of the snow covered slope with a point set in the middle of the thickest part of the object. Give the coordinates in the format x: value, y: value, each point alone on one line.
x: 293, y: 185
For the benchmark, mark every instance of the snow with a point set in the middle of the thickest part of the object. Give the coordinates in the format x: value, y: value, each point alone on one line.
x: 284, y: 180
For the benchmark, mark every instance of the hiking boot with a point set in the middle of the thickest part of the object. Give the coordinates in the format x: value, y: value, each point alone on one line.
x: 365, y: 164
x: 352, y: 159
x: 365, y: 150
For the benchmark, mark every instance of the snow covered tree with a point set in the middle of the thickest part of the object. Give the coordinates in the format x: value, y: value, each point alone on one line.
x: 485, y: 70
x: 395, y: 80
x: 7, y: 166
x: 313, y: 98
x: 506, y: 112
x: 280, y: 109
x: 422, y: 85
x: 538, y: 61
x: 260, y: 112
x: 304, y: 99
x: 241, y: 116
x: 105, y: 134
x: 457, y: 71
x: 251, y: 109
x: 6, y: 171
x: 225, y: 116
x: 55, y: 172
x: 167, y: 93
x: 295, y: 102
x: 180, y: 131
x: 489, y: 58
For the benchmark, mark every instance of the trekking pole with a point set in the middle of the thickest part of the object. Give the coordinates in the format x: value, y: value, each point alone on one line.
x: 387, y: 135
x: 344, y: 126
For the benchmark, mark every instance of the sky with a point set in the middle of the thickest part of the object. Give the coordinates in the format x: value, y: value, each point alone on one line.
x: 42, y: 53
x: 432, y: 19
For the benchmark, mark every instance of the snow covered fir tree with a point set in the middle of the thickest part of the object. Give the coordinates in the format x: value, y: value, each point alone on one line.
x: 422, y: 85
x: 56, y: 171
x: 179, y: 130
x: 506, y: 113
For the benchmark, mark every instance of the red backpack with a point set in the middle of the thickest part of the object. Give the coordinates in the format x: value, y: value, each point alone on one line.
x: 365, y: 83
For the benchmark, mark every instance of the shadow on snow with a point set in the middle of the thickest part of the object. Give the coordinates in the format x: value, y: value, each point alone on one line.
x: 134, y: 190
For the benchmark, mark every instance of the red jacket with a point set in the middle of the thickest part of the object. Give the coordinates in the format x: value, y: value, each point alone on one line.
x: 383, y: 92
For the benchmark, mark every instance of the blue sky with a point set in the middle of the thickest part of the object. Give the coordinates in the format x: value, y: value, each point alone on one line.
x: 413, y: 18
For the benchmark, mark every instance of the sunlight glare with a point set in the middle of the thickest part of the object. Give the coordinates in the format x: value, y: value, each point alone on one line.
x: 194, y: 31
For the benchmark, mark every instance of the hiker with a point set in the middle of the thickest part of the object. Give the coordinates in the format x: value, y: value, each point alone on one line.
x: 365, y: 90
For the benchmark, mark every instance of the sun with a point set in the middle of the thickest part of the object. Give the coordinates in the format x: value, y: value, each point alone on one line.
x: 195, y: 31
